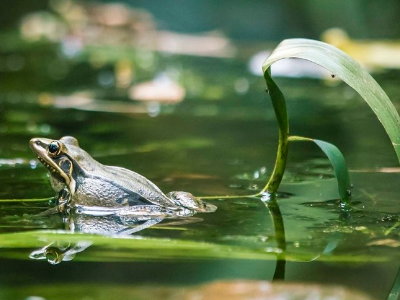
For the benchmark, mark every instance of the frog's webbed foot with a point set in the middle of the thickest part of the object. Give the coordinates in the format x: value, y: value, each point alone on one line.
x: 61, y: 205
x: 191, y: 202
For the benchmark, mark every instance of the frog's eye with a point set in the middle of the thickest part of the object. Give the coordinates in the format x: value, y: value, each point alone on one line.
x: 54, y: 148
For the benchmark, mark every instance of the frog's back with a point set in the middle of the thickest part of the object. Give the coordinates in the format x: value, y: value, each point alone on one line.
x: 131, y: 181
x: 143, y: 187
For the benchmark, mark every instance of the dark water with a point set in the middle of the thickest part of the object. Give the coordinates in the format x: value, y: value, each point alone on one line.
x: 218, y: 141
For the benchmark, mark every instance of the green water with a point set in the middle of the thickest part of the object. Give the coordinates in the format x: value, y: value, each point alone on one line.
x: 216, y: 142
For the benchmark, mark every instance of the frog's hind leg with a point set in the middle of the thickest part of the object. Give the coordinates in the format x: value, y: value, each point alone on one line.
x: 187, y: 200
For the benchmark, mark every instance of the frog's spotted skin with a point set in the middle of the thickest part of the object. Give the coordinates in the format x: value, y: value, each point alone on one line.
x: 82, y: 181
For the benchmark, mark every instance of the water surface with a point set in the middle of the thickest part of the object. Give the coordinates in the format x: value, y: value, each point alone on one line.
x: 220, y: 140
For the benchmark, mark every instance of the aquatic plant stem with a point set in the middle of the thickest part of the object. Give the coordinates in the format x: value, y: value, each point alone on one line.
x: 279, y: 105
x: 388, y: 231
x: 343, y: 66
x: 279, y: 168
x: 352, y: 74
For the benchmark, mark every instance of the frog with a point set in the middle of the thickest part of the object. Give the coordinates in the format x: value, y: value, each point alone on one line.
x: 80, y: 181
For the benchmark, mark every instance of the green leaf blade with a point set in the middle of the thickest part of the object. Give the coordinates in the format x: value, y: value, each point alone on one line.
x: 338, y: 163
x: 339, y: 166
x: 343, y: 66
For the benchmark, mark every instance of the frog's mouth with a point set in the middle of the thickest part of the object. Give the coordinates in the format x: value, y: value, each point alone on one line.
x: 39, y: 147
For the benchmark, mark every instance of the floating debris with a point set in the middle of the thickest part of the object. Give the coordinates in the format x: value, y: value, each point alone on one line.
x: 372, y: 54
x: 161, y: 89
x: 385, y: 242
x: 252, y: 290
x: 211, y: 44
x: 377, y: 170
x: 86, y: 102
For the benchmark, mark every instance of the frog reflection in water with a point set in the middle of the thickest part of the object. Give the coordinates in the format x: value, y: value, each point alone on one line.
x: 116, y: 225
x: 87, y: 186
x: 110, y: 225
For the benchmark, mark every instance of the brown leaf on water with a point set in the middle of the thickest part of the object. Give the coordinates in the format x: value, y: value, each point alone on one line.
x: 379, y: 170
x: 161, y: 89
x: 240, y: 290
x: 219, y: 290
x: 385, y: 242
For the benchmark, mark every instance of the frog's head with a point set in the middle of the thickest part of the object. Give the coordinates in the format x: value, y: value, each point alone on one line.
x: 60, y: 157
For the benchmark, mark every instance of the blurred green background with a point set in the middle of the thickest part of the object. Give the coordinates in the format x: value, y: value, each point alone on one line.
x: 173, y: 90
x: 254, y: 19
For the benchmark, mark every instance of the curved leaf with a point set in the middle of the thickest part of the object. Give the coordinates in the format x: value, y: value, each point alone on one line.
x: 342, y: 65
x: 338, y: 163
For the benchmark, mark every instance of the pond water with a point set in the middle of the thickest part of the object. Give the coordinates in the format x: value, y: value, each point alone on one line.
x: 220, y: 140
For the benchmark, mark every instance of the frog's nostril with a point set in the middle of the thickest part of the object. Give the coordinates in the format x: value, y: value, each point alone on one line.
x: 35, y: 143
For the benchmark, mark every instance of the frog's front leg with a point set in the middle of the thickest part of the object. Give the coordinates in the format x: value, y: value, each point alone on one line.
x: 62, y: 204
x: 63, y: 200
